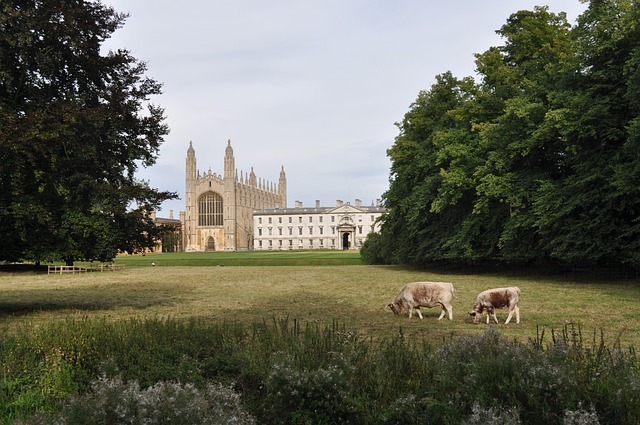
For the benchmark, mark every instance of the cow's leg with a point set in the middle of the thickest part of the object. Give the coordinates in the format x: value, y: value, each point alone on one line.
x: 419, y: 313
x: 509, y: 316
x: 442, y: 312
x: 493, y: 313
x: 517, y: 309
x: 449, y: 310
x: 410, y: 312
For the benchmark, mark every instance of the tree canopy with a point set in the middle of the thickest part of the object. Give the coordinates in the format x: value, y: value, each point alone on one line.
x: 536, y: 159
x: 75, y: 126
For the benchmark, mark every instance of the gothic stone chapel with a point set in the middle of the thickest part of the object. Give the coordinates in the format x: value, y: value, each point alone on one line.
x: 219, y: 208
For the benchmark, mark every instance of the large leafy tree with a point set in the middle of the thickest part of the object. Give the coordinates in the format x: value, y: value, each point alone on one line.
x: 593, y: 212
x: 75, y: 125
x: 538, y: 161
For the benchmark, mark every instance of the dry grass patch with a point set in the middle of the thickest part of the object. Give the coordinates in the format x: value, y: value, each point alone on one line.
x: 353, y: 295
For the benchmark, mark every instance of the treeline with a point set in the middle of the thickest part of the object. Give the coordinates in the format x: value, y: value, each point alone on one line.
x: 535, y: 160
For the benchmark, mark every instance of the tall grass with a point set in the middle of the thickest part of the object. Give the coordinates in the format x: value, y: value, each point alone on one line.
x: 280, y: 371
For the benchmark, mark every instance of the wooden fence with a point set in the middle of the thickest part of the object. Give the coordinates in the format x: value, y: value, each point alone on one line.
x: 77, y: 269
x: 65, y: 269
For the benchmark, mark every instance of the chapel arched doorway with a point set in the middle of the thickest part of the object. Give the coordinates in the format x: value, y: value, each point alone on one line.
x: 211, y: 244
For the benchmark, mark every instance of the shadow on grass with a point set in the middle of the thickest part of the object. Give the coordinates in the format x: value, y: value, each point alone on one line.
x: 71, y: 299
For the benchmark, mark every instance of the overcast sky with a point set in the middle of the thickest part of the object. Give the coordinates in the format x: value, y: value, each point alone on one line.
x: 314, y: 85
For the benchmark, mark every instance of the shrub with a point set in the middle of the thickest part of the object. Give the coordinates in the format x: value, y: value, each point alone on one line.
x: 302, y: 396
x: 111, y: 401
x: 480, y: 415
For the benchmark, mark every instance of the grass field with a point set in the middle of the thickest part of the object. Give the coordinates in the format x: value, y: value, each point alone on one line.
x: 316, y: 287
x: 247, y: 258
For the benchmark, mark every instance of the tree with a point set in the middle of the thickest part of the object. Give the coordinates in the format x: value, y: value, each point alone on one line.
x: 75, y: 125
x: 420, y: 222
x: 538, y: 161
x: 593, y: 213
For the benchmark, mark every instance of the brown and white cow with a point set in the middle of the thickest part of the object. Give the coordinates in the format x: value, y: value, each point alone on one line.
x: 424, y: 294
x: 487, y: 301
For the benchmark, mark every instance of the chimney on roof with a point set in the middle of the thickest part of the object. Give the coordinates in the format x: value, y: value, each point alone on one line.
x: 317, y: 203
x: 339, y: 203
x: 298, y: 204
x: 358, y: 203
x: 171, y: 214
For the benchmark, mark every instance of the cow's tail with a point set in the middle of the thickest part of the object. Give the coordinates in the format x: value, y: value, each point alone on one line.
x: 453, y: 291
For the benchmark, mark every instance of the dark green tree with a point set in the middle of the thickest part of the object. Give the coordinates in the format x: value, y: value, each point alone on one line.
x: 520, y: 146
x: 75, y: 125
x: 420, y: 222
x: 539, y: 160
x: 592, y: 214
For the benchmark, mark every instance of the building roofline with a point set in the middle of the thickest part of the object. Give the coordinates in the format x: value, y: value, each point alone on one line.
x: 321, y: 210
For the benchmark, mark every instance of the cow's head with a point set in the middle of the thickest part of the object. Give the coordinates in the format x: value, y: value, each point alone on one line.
x: 478, y: 311
x: 397, y: 309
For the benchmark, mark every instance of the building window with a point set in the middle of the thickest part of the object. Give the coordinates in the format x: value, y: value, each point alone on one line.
x: 270, y: 231
x: 321, y: 240
x: 210, y: 210
x: 300, y: 230
x: 280, y: 231
x: 321, y: 230
x: 310, y: 219
x: 290, y: 219
x: 333, y: 218
x: 320, y: 218
x: 260, y: 244
x: 259, y: 231
x: 310, y: 242
x: 269, y: 220
x: 290, y: 230
x: 360, y: 230
x: 299, y: 219
x: 311, y: 230
x: 259, y: 220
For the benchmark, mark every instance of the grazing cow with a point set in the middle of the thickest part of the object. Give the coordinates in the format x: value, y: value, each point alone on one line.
x: 424, y: 294
x: 491, y: 299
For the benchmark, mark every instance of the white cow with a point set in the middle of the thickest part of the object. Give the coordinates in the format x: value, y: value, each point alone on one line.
x: 491, y: 299
x: 424, y: 294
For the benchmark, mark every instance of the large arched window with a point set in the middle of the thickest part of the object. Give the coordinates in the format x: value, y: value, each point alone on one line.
x: 210, y: 209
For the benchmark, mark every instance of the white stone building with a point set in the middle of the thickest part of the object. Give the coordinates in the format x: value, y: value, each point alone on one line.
x: 343, y: 226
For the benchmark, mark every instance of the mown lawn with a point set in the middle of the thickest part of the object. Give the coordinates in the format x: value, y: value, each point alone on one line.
x: 247, y: 258
x: 228, y: 289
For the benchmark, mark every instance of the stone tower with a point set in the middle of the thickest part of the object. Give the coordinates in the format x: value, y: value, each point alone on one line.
x: 230, y: 177
x: 219, y: 208
x: 189, y: 231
